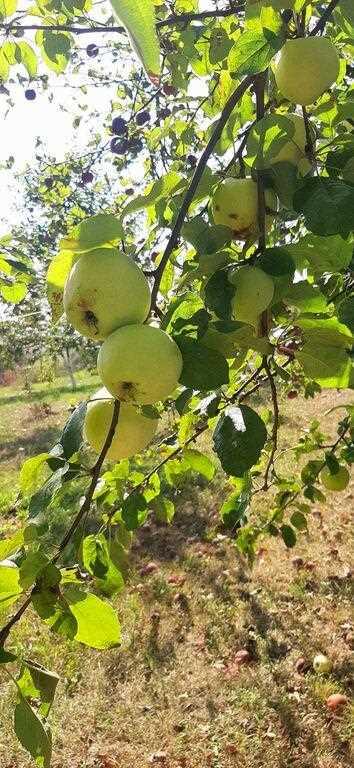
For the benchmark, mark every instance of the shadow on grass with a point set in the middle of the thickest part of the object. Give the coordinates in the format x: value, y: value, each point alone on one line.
x: 38, y: 441
x: 35, y: 396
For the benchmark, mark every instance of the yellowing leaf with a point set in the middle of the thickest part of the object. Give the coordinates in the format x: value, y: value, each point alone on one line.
x: 57, y: 274
x: 139, y: 20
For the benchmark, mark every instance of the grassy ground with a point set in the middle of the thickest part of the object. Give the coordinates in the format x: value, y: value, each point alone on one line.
x: 174, y: 695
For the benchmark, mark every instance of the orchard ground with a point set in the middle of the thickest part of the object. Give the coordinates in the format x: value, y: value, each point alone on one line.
x: 174, y: 695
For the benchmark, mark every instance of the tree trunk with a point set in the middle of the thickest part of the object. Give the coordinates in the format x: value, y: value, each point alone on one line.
x: 69, y: 369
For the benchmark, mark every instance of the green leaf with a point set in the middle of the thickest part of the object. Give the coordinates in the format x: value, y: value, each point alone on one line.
x: 57, y: 276
x: 164, y: 509
x: 10, y: 588
x: 97, y: 560
x: 54, y: 611
x: 9, y: 546
x: 306, y: 298
x: 327, y: 205
x: 323, y: 254
x: 41, y: 500
x: 239, y: 438
x: 31, y: 567
x: 329, y: 365
x: 32, y: 734
x: 8, y: 7
x: 219, y: 293
x: 92, y: 233
x: 71, y: 438
x: 162, y: 188
x: 220, y: 45
x: 97, y: 622
x: 32, y: 472
x: 25, y: 55
x: 199, y: 462
x: 233, y: 510
x: 253, y: 51
x: 14, y: 293
x: 139, y: 20
x: 37, y: 682
x: 289, y: 535
x: 55, y: 48
x: 346, y: 312
x: 134, y: 510
x: 203, y: 368
x: 6, y: 657
x: 298, y: 520
x: 277, y: 262
x: 204, y: 238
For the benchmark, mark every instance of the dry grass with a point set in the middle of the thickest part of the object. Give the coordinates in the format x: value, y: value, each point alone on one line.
x: 173, y: 695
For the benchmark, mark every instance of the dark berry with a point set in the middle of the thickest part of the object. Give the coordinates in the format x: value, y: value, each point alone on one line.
x: 164, y: 112
x: 48, y: 183
x: 142, y: 117
x: 129, y: 191
x: 30, y: 94
x: 136, y: 144
x: 292, y: 394
x: 169, y: 90
x: 92, y: 50
x: 119, y: 146
x: 87, y: 177
x: 192, y: 160
x: 119, y: 126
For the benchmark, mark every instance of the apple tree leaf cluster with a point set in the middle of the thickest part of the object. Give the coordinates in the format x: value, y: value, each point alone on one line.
x: 218, y: 266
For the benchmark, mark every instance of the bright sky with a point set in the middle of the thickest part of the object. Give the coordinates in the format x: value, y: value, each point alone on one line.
x: 50, y: 117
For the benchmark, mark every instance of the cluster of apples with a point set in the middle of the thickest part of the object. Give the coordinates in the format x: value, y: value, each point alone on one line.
x: 107, y: 298
x: 305, y: 68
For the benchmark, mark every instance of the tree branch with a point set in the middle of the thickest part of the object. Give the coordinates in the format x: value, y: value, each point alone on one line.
x: 226, y: 112
x: 275, y: 424
x: 319, y: 27
x: 5, y: 631
x: 175, y: 19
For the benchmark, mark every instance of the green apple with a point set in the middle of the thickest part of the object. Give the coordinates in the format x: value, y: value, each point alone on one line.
x: 140, y: 364
x: 306, y: 67
x: 104, y: 291
x: 254, y: 293
x: 336, y: 482
x: 322, y: 664
x: 133, y: 432
x: 277, y: 138
x: 235, y: 205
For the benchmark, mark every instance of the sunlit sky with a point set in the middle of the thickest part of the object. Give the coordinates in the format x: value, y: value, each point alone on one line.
x: 50, y: 116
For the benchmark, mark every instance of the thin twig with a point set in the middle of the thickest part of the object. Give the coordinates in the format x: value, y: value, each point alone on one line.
x: 173, y: 240
x: 273, y: 388
x: 175, y: 19
x: 4, y: 632
x: 319, y: 27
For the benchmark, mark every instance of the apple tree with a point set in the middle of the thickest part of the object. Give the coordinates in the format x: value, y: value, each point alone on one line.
x: 218, y: 264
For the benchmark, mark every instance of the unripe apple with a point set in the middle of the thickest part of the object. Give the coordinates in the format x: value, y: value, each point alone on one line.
x: 140, y: 364
x: 277, y: 139
x: 322, y: 664
x: 133, y: 432
x: 254, y: 293
x: 337, y: 481
x: 306, y: 67
x: 104, y: 291
x: 235, y: 205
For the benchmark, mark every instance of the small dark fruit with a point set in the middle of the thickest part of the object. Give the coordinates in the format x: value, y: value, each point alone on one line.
x: 87, y: 177
x: 48, y: 183
x: 119, y: 146
x: 136, y: 144
x: 192, y: 160
x: 142, y: 117
x: 164, y: 112
x: 292, y: 394
x: 30, y: 94
x: 169, y: 90
x: 119, y: 126
x: 129, y: 191
x: 92, y: 50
